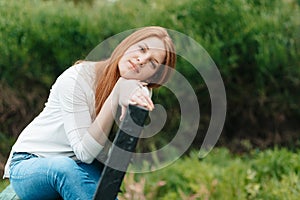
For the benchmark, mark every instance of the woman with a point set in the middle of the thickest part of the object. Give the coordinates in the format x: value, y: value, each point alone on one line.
x: 57, y: 154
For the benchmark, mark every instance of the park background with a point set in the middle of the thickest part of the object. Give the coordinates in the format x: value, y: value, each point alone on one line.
x: 255, y: 45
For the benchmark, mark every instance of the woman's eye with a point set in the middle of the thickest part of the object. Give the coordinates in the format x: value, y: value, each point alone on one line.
x: 153, y: 64
x: 143, y: 49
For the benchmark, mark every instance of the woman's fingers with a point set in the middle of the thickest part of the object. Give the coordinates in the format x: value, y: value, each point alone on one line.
x: 142, y: 99
x: 144, y: 83
x: 134, y: 92
x: 123, y: 112
x: 147, y: 95
x: 149, y: 102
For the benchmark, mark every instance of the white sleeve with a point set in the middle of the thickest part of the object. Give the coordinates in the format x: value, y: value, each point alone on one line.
x: 77, y: 117
x: 148, y: 91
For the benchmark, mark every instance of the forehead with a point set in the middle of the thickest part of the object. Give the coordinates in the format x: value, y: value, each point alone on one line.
x: 153, y: 43
x: 156, y: 47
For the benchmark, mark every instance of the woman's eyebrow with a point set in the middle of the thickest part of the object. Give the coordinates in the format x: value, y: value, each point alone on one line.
x: 146, y: 46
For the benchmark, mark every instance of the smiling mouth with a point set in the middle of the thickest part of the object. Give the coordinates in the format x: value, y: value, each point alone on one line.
x: 134, y: 67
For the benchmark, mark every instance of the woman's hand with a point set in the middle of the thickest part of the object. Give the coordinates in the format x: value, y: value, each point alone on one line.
x: 133, y: 92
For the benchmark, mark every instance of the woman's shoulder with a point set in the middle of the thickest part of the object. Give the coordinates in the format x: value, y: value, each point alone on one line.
x: 83, y: 69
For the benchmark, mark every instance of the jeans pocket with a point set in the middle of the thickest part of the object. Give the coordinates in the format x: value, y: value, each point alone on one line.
x: 20, y: 156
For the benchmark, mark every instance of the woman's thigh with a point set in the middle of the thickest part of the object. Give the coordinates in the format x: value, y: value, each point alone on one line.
x: 50, y: 178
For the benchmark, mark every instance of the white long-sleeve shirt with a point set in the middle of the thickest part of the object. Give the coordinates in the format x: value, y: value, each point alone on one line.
x: 61, y: 129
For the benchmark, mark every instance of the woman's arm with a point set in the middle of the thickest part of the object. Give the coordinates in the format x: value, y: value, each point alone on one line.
x: 102, y: 125
x: 87, y: 137
x: 125, y: 92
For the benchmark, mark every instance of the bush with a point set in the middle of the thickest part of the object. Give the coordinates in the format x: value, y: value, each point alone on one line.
x: 256, y: 47
x: 255, y: 44
x: 220, y: 175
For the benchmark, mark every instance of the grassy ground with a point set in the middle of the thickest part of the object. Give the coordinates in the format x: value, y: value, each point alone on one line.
x: 3, y: 184
x: 270, y: 174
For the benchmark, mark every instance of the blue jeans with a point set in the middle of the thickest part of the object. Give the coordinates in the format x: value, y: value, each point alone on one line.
x: 53, y: 178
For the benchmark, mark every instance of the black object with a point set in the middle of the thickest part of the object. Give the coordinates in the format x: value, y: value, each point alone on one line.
x: 121, y: 151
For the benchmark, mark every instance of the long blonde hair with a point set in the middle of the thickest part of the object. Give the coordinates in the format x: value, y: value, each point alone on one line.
x: 107, y: 80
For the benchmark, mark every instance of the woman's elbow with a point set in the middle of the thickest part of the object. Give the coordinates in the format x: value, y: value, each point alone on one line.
x: 83, y: 154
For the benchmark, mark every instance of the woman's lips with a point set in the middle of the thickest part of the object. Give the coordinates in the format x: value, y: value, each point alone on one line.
x: 134, y: 67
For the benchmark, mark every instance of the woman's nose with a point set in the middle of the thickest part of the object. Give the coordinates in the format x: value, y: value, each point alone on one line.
x: 143, y: 59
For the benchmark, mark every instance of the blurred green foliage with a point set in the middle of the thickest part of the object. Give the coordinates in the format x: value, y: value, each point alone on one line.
x: 271, y: 174
x: 255, y: 45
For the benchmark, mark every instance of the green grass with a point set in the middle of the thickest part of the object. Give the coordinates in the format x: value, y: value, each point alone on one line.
x: 3, y: 184
x: 271, y: 174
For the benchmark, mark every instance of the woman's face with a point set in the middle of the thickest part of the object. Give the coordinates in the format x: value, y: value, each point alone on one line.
x: 142, y: 59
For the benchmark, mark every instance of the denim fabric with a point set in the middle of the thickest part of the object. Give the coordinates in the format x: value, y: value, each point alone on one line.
x: 53, y: 178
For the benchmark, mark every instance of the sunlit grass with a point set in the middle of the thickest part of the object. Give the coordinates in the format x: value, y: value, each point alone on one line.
x: 3, y: 184
x: 269, y: 174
